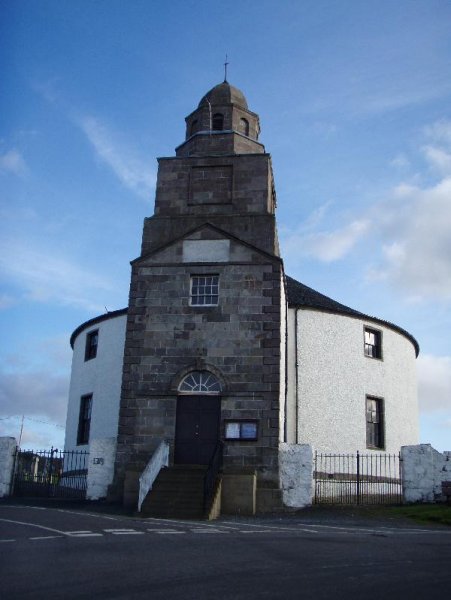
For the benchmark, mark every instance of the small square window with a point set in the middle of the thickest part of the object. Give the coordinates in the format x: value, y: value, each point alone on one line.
x: 84, y: 421
x: 373, y: 343
x: 374, y: 423
x: 92, y: 340
x: 240, y: 430
x: 204, y: 290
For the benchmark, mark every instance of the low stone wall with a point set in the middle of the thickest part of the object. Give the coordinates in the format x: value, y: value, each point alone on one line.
x: 8, y: 447
x: 423, y: 471
x: 102, y: 453
x: 296, y: 474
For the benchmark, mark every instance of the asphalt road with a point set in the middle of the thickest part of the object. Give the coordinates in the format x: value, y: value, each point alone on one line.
x: 50, y: 552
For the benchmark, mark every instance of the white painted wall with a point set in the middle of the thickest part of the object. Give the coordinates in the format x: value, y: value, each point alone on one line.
x: 100, y: 467
x: 296, y: 474
x: 101, y: 377
x: 423, y: 471
x: 8, y: 447
x: 334, y: 377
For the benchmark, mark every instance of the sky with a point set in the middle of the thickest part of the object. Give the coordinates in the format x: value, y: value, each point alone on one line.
x: 354, y: 98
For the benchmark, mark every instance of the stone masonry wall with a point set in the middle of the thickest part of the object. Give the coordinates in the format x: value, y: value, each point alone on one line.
x: 239, y: 340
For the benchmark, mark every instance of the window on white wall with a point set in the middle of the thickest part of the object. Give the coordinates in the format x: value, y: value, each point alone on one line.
x: 373, y: 343
x: 374, y: 422
x: 84, y: 421
x: 92, y: 341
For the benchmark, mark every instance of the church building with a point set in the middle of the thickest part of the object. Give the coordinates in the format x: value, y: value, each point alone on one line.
x: 220, y: 355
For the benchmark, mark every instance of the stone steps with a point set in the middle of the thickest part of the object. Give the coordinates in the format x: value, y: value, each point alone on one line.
x: 177, y: 493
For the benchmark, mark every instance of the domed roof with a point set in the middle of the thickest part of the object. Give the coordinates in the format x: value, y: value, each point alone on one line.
x: 224, y: 93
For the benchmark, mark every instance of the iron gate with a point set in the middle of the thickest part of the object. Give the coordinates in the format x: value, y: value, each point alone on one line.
x: 51, y: 473
x: 357, y: 479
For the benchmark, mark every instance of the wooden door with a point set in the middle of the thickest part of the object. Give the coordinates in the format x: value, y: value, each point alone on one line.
x: 197, y: 429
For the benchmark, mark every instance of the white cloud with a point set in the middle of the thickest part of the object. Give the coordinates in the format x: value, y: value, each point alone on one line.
x: 325, y: 246
x: 434, y: 383
x: 133, y: 172
x: 12, y: 162
x: 410, y: 241
x: 414, y: 227
x: 46, y: 276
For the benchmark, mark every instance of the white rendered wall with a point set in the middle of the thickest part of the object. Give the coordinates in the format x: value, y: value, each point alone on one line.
x: 334, y: 378
x: 101, y: 377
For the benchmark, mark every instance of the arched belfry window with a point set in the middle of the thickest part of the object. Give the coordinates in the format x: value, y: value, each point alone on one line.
x: 218, y: 122
x: 244, y: 126
x: 200, y: 382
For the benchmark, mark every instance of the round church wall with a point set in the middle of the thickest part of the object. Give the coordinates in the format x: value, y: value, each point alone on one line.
x: 346, y: 399
x: 95, y: 386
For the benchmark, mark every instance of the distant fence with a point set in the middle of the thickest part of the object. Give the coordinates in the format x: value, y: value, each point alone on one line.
x: 357, y: 479
x: 51, y: 473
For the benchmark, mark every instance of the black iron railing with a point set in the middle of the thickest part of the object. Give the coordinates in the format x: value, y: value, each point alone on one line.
x: 357, y: 478
x: 51, y: 473
x: 211, y: 475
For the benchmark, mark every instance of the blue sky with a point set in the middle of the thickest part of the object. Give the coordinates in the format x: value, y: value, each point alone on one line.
x: 354, y: 98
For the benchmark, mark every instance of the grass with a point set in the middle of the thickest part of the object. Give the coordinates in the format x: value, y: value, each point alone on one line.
x: 423, y: 513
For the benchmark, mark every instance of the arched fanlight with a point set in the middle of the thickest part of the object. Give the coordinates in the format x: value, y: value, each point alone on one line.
x: 200, y: 382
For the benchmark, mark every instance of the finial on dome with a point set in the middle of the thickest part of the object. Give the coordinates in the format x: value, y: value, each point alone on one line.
x: 225, y: 70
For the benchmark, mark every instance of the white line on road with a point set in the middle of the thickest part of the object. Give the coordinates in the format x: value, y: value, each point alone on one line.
x: 82, y: 534
x: 46, y: 537
x: 6, y: 541
x: 165, y: 531
x: 34, y: 525
x: 208, y: 530
x: 124, y: 531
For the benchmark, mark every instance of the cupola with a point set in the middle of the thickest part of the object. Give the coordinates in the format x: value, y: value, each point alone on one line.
x: 221, y: 124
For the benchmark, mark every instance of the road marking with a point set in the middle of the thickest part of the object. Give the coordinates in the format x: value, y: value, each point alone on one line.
x: 83, y: 534
x: 165, y: 531
x: 124, y: 531
x: 86, y: 514
x: 45, y: 537
x: 6, y: 541
x: 208, y: 530
x: 255, y: 531
x: 293, y: 529
x: 34, y: 525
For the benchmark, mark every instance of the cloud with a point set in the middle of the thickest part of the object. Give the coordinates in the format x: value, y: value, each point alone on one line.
x: 37, y: 394
x: 12, y: 162
x: 434, y: 383
x: 325, y: 246
x: 133, y: 172
x: 410, y: 242
x: 414, y: 228
x: 46, y: 276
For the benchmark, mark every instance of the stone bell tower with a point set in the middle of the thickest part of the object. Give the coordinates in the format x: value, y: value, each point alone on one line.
x: 203, y: 359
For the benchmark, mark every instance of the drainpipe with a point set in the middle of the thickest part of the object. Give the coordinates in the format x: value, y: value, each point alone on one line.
x: 297, y: 373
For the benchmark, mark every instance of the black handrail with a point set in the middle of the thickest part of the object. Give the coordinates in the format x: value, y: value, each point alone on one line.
x: 211, y: 475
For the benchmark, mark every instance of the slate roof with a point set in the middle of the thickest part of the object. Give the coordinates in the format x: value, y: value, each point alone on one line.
x: 300, y: 295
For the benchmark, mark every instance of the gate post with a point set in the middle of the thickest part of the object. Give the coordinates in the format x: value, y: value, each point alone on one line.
x: 8, y: 447
x: 296, y: 474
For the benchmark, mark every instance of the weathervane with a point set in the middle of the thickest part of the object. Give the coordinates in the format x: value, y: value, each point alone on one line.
x: 225, y: 69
